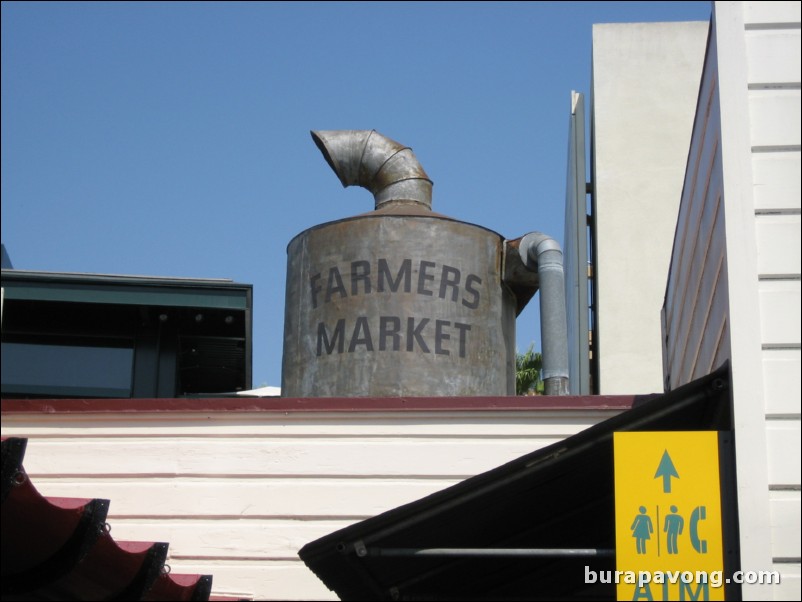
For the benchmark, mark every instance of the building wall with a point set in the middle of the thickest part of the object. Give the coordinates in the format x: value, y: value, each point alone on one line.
x: 734, y: 288
x: 645, y: 84
x: 696, y: 311
x: 238, y: 493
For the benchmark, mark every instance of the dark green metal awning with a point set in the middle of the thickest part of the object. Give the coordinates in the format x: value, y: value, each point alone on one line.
x: 125, y: 290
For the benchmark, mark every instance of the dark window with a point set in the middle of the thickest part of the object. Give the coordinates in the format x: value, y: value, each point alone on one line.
x: 114, y: 336
x: 69, y: 368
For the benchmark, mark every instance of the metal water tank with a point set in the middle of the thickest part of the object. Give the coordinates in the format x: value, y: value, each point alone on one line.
x: 400, y: 301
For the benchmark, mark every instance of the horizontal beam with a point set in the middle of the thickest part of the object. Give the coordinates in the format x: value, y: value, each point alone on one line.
x: 362, y: 551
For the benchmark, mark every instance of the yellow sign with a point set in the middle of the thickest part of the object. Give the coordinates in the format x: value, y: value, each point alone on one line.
x: 668, y: 542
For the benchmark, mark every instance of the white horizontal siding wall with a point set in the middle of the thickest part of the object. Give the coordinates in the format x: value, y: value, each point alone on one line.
x: 772, y: 41
x: 734, y: 285
x: 236, y: 495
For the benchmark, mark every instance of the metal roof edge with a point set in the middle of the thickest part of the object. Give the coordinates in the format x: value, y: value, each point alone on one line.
x: 88, y: 277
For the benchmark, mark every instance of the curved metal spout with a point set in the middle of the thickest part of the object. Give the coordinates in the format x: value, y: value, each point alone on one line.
x: 366, y: 158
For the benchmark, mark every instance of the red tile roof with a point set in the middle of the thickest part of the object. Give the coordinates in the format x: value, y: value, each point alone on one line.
x: 62, y: 548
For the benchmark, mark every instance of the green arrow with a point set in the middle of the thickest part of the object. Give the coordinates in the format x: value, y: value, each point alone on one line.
x: 666, y: 470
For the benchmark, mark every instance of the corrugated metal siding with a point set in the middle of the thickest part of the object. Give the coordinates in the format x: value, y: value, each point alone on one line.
x: 696, y: 307
x: 238, y: 494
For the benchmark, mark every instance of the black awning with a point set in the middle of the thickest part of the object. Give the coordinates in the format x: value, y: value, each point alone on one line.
x: 557, y: 498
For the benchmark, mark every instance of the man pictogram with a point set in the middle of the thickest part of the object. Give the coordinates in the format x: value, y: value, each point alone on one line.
x: 673, y: 528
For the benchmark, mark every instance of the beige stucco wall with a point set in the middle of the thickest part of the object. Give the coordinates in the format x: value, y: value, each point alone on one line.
x: 645, y: 84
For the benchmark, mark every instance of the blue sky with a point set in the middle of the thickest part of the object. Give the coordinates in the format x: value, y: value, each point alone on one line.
x: 172, y: 139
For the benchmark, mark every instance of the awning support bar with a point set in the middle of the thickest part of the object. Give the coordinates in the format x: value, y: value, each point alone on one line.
x: 363, y: 551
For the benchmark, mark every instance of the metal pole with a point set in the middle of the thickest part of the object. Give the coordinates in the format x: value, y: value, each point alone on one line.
x: 487, y: 552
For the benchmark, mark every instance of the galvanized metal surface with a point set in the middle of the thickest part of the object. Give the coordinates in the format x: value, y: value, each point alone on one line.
x: 397, y: 306
x: 400, y: 301
x: 576, y: 260
x: 383, y: 166
x: 519, y: 277
x: 541, y: 252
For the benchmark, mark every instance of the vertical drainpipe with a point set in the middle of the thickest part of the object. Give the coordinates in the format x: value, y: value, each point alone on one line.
x: 541, y: 253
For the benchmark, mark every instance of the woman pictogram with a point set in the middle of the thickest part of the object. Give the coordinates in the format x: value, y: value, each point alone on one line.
x: 642, y: 530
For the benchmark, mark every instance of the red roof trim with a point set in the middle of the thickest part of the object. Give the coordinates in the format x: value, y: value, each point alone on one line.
x: 319, y: 404
x: 62, y: 548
